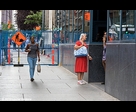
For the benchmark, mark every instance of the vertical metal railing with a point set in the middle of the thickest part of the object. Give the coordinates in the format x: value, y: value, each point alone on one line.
x: 65, y: 26
x: 77, y: 22
x: 120, y: 33
x: 107, y: 24
x: 135, y: 24
x: 91, y: 27
x: 43, y: 19
x: 83, y: 22
x: 72, y: 25
x: 68, y: 40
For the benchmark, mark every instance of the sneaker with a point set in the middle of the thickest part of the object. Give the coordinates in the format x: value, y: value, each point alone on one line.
x: 83, y: 81
x: 80, y: 82
x: 32, y: 79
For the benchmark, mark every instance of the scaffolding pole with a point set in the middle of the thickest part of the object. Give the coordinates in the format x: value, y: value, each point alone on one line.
x: 43, y: 19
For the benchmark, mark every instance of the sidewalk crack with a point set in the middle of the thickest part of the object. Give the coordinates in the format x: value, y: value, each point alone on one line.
x: 21, y: 85
x: 23, y: 96
x: 41, y: 81
x: 82, y: 96
x: 68, y: 85
x: 48, y: 90
x: 58, y: 77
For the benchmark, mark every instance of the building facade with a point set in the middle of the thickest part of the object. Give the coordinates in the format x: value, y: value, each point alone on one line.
x: 72, y: 23
x: 49, y: 19
x: 67, y: 20
x: 6, y: 16
x: 120, y: 75
x: 71, y: 20
x: 120, y: 25
x: 14, y: 12
x: 121, y: 54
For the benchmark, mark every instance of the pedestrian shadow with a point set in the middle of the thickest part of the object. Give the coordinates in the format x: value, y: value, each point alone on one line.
x: 37, y: 84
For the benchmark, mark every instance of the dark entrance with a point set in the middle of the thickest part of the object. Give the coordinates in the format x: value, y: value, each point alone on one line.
x: 99, y: 24
x: 96, y: 69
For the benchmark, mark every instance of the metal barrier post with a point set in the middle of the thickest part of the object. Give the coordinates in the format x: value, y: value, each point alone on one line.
x: 9, y: 51
x: 52, y: 54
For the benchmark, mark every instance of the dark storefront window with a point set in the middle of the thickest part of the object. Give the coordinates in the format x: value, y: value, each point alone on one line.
x: 125, y: 19
x: 99, y: 25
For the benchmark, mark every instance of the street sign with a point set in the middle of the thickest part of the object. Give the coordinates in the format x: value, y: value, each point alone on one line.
x: 87, y: 16
x: 18, y: 38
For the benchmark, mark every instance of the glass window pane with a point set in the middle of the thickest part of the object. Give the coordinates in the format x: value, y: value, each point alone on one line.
x: 128, y: 25
x: 114, y: 25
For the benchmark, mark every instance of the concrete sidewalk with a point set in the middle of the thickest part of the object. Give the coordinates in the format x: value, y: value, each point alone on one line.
x: 54, y: 83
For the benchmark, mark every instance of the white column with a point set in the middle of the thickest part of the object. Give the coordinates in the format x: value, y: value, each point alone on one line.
x: 50, y: 27
x: 14, y: 18
x: 50, y: 20
x: 0, y: 16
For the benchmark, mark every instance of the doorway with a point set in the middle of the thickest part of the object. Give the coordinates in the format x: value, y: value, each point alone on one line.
x: 96, y: 69
x: 101, y: 31
x: 99, y: 24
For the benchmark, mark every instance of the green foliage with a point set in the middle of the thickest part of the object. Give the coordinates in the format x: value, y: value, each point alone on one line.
x: 5, y: 27
x: 21, y: 16
x: 34, y: 18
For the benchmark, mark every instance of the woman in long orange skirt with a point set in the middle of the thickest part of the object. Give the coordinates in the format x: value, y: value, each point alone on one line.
x: 81, y: 62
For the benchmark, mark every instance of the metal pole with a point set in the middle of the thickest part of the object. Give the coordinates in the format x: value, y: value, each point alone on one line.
x: 77, y: 20
x: 62, y: 19
x: 68, y: 25
x: 43, y: 19
x: 72, y: 25
x: 107, y: 24
x: 120, y: 33
x: 18, y: 55
x: 69, y: 20
x: 135, y: 23
x: 45, y: 12
x: 83, y: 20
x: 18, y: 65
x: 65, y: 27
x: 58, y: 19
x: 91, y: 26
